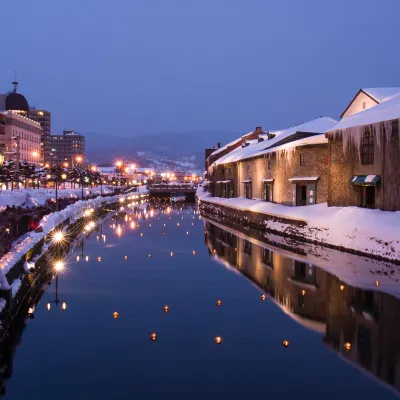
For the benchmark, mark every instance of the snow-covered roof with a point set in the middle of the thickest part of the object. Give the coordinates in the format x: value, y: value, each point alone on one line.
x: 308, y: 141
x: 318, y: 125
x: 385, y: 111
x: 381, y: 94
x: 227, y: 145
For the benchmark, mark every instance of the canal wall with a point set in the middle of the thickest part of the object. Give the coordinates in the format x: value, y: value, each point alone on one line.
x: 26, y: 273
x: 345, y: 237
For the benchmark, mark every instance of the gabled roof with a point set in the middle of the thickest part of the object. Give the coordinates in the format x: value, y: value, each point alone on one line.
x: 379, y: 95
x: 318, y: 125
x: 386, y: 111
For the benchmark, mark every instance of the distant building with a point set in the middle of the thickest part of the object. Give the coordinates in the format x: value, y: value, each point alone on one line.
x: 19, y: 135
x: 66, y: 148
x: 21, y: 140
x: 44, y: 119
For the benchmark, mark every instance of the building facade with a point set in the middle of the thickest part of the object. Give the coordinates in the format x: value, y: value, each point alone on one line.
x: 44, y: 119
x: 21, y: 138
x: 287, y: 167
x: 65, y: 149
x: 364, y: 157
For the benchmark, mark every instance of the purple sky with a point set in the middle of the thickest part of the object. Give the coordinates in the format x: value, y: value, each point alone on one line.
x: 140, y: 66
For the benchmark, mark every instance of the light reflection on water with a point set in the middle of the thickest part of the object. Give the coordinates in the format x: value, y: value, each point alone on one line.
x: 85, y: 351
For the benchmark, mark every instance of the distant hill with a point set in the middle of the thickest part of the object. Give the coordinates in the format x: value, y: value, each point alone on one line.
x: 161, y: 150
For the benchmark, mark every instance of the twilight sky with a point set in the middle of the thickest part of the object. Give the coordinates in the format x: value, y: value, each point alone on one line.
x: 126, y: 67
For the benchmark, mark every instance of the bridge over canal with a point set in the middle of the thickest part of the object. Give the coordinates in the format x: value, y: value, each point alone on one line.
x: 184, y: 189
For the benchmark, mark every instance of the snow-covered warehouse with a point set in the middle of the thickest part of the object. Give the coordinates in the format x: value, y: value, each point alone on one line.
x: 290, y: 166
x: 364, y: 153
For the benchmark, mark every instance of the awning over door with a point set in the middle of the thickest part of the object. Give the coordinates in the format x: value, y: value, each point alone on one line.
x: 366, y: 180
x: 304, y: 179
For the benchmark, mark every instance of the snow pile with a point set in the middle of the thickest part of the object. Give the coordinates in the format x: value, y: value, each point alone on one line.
x: 319, y: 125
x: 34, y: 197
x: 369, y: 231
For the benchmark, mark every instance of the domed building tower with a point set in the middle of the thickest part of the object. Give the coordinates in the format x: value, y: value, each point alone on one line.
x: 16, y: 102
x: 19, y: 135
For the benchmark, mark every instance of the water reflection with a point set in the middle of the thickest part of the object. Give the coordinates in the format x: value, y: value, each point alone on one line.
x: 362, y: 325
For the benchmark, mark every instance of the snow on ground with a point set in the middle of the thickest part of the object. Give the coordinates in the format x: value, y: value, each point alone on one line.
x: 34, y: 197
x: 369, y: 231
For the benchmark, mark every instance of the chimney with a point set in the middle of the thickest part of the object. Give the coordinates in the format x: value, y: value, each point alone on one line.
x: 219, y: 145
x: 258, y: 129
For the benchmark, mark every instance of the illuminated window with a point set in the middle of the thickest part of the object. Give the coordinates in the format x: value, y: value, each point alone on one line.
x: 367, y: 156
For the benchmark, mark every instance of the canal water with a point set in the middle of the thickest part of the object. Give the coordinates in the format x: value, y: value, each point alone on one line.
x: 342, y: 340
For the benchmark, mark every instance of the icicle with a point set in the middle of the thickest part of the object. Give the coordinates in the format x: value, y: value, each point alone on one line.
x: 378, y: 133
x: 388, y: 131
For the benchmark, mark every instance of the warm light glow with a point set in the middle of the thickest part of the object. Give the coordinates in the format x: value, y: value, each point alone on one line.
x: 149, y: 255
x: 65, y: 165
x: 58, y: 236
x: 218, y: 340
x: 115, y: 315
x: 35, y: 154
x: 125, y: 257
x: 59, y: 266
x: 303, y: 292
x: 194, y: 252
x: 377, y: 283
x: 347, y: 346
x: 166, y: 309
x: 79, y: 159
x: 171, y: 254
x: 118, y: 163
x: 87, y: 258
x: 263, y: 297
x: 64, y: 176
x: 94, y: 168
x: 153, y: 337
x: 48, y: 306
x: 64, y: 305
x: 285, y: 343
x: 341, y: 287
x: 219, y: 302
x: 99, y: 259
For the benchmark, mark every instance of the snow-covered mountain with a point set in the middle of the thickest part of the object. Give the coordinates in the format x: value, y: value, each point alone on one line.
x: 177, y: 151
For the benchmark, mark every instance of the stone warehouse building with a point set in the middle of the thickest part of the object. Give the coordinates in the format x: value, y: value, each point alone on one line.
x: 287, y: 167
x: 364, y: 154
x: 221, y: 151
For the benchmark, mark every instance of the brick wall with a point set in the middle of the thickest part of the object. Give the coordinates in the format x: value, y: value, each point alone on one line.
x: 284, y: 167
